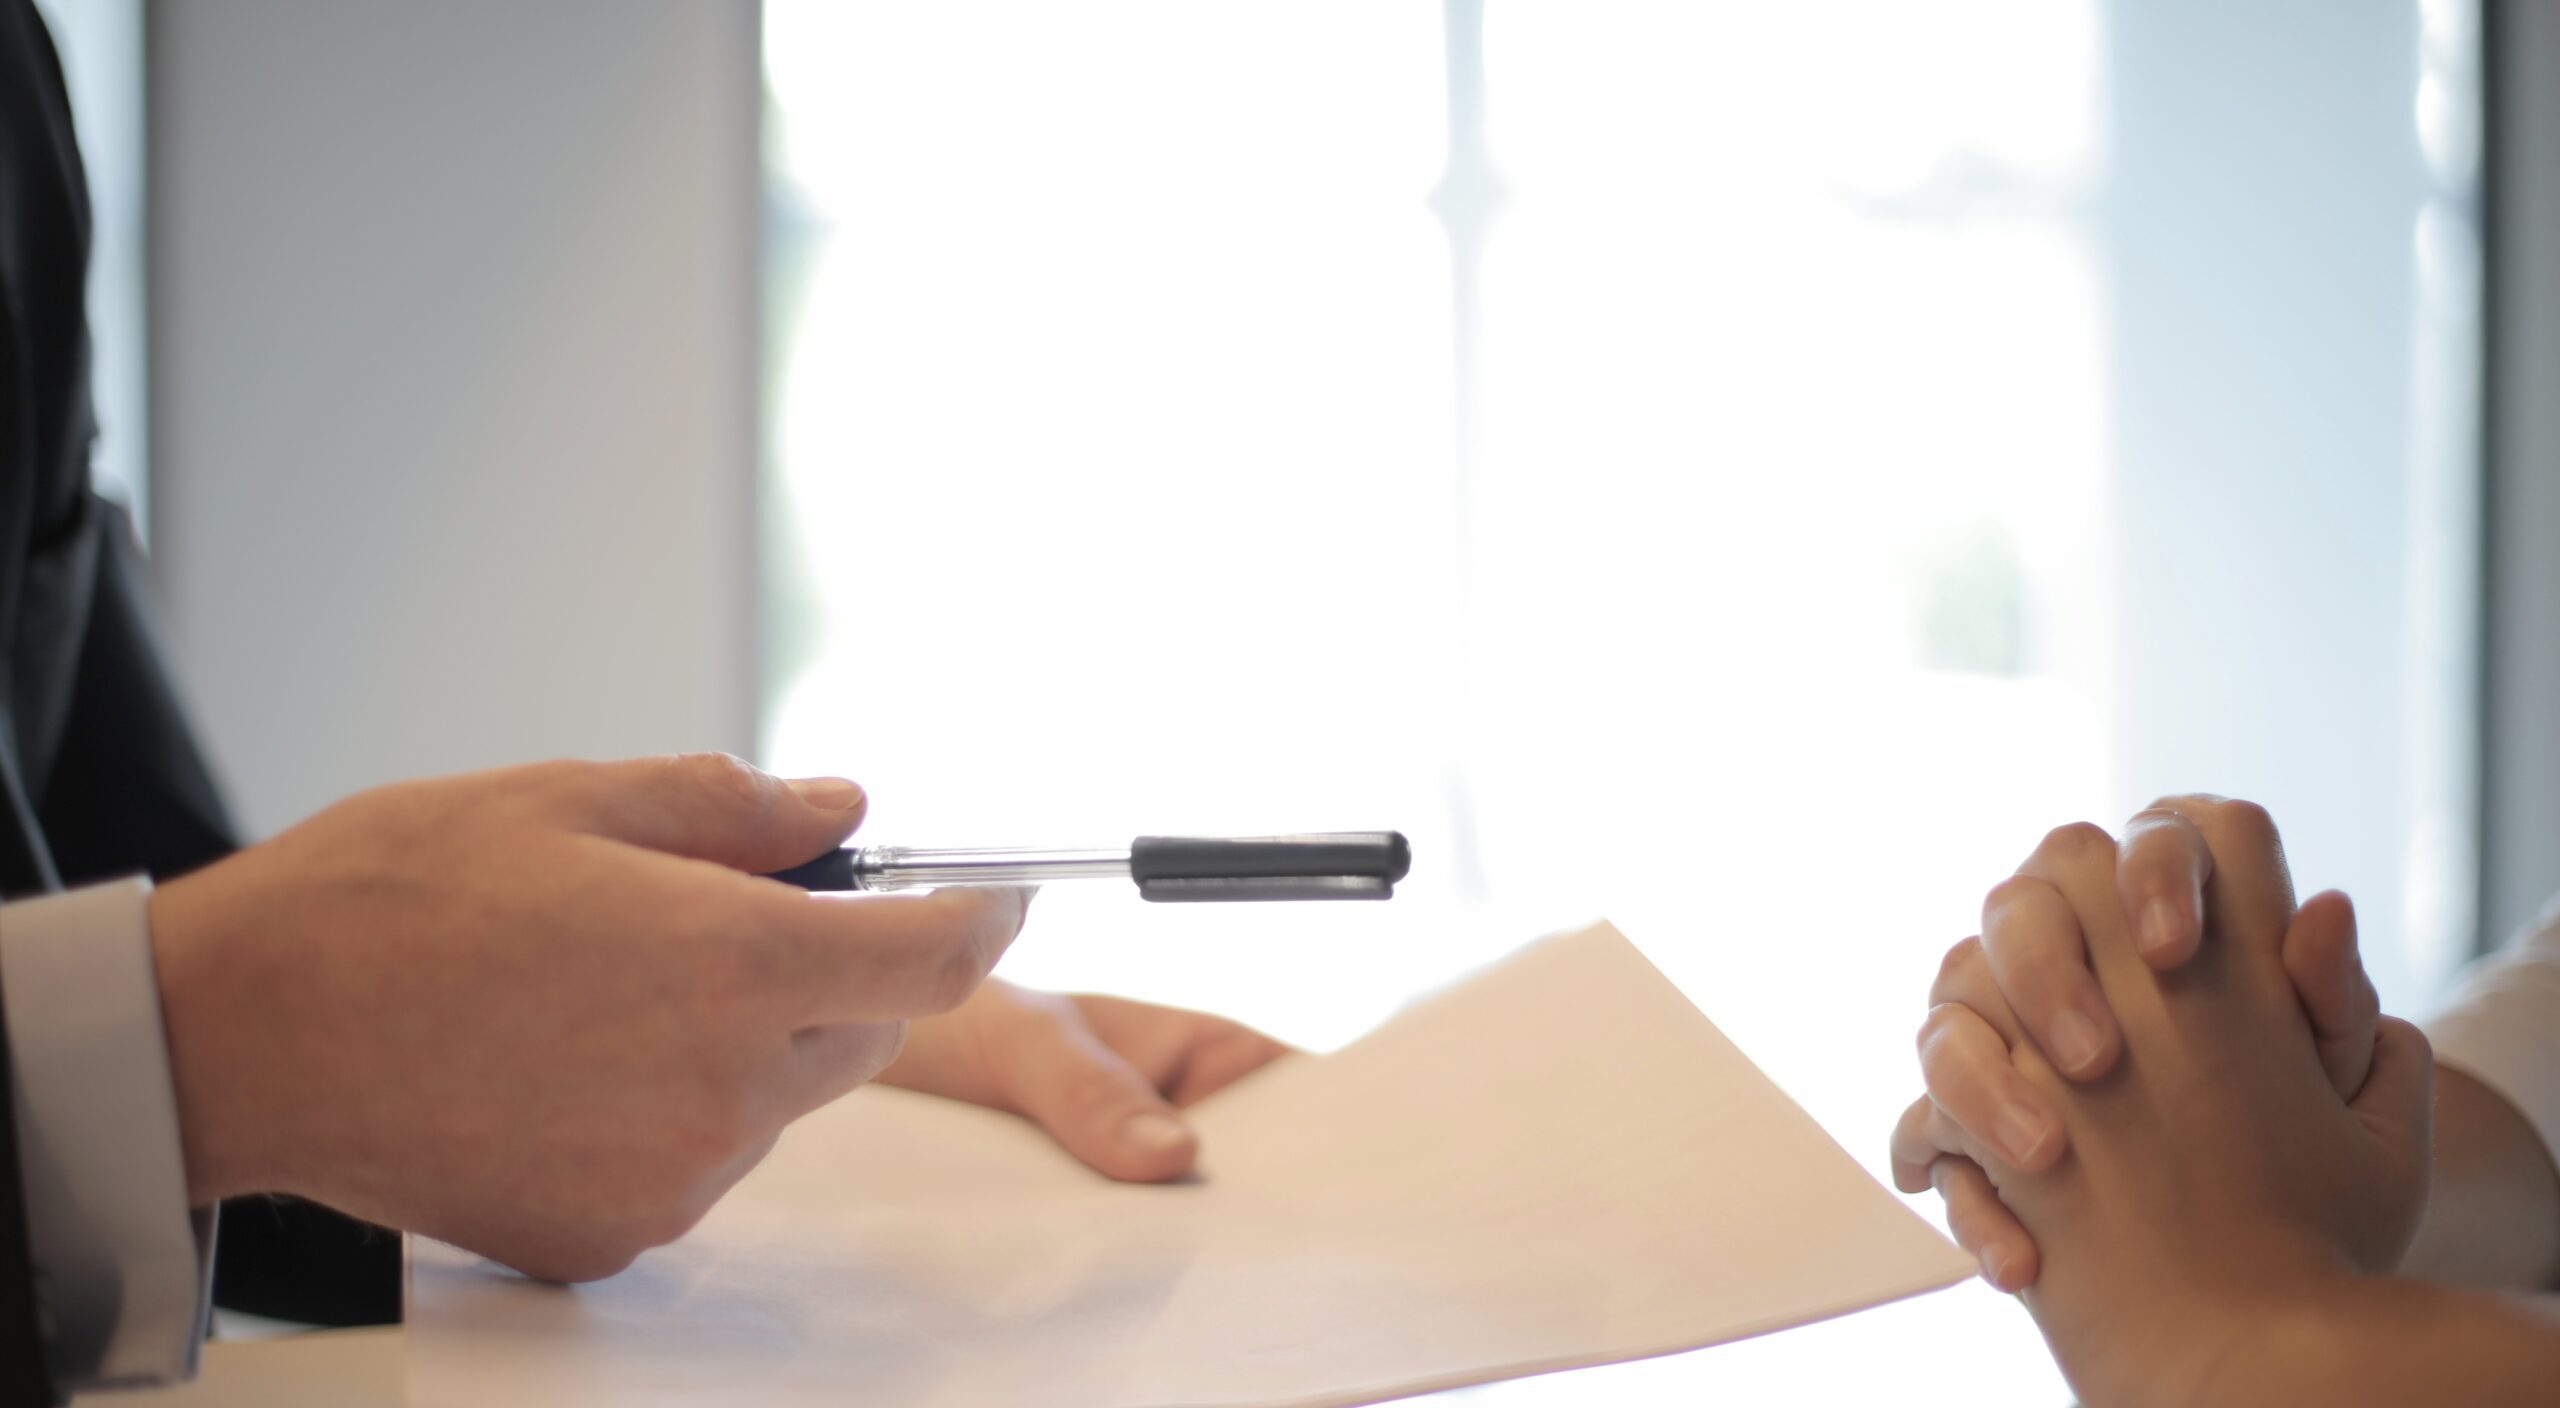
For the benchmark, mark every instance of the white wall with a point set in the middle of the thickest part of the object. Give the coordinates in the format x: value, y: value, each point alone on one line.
x: 2521, y: 812
x: 453, y: 384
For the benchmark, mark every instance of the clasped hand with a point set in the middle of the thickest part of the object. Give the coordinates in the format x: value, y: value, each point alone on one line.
x: 2158, y: 1091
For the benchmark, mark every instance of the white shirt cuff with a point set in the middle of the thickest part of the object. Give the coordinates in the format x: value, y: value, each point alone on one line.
x: 2502, y: 1026
x: 123, y: 1269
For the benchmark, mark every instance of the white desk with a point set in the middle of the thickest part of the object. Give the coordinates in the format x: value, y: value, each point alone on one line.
x: 365, y: 1368
x: 320, y: 1369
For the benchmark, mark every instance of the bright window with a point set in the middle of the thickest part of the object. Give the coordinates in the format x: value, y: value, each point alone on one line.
x: 1669, y: 467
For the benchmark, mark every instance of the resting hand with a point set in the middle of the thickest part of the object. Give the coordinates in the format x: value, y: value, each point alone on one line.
x: 1105, y: 1077
x: 2216, y: 1173
x: 547, y: 1013
x: 2029, y: 974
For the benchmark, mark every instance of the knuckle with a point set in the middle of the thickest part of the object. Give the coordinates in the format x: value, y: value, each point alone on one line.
x: 2012, y: 892
x: 2182, y: 804
x: 2246, y: 822
x: 2027, y: 927
x: 988, y: 920
x: 2076, y: 842
x: 952, y: 973
x: 2029, y: 971
x: 2421, y: 1050
x: 2151, y: 818
x: 1952, y: 1065
x: 728, y: 781
x: 1961, y: 956
x: 851, y: 1055
x: 1937, y: 1033
x: 1956, y: 969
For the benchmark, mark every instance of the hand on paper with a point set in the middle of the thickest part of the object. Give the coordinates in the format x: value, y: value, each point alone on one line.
x: 2030, y: 974
x: 548, y: 1013
x: 2215, y: 1172
x: 1104, y: 1076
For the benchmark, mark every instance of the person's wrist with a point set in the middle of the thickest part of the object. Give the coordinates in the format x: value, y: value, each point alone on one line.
x: 227, y: 1153
x: 2272, y: 1343
x: 2176, y: 1332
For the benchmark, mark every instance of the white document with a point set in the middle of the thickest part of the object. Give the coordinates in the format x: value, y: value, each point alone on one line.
x: 1556, y: 1163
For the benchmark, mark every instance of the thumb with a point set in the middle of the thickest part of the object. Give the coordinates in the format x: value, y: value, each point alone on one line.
x: 2398, y: 1097
x: 1060, y: 1076
x: 2397, y: 1107
x: 2329, y: 979
x: 711, y: 806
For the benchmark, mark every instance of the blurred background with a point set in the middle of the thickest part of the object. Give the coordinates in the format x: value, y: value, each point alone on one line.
x: 1746, y: 471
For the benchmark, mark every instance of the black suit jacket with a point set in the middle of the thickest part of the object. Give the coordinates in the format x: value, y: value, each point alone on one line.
x: 100, y: 775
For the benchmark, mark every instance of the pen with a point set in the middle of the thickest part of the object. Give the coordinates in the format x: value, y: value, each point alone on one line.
x: 1337, y: 865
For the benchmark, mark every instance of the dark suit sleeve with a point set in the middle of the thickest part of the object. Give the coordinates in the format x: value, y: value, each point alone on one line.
x: 130, y: 791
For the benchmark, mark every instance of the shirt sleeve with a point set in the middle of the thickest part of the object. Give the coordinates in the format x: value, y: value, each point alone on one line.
x: 2502, y: 1026
x: 122, y: 1266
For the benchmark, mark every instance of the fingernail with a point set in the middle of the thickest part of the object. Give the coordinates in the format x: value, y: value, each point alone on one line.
x: 1995, y: 1268
x: 2022, y: 1132
x: 832, y: 794
x: 2159, y: 926
x: 2075, y: 1041
x: 1148, y: 1132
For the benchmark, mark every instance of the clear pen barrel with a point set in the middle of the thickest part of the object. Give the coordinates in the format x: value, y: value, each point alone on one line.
x: 913, y: 868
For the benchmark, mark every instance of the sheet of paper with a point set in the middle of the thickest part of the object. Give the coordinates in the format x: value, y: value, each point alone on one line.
x: 1558, y: 1162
